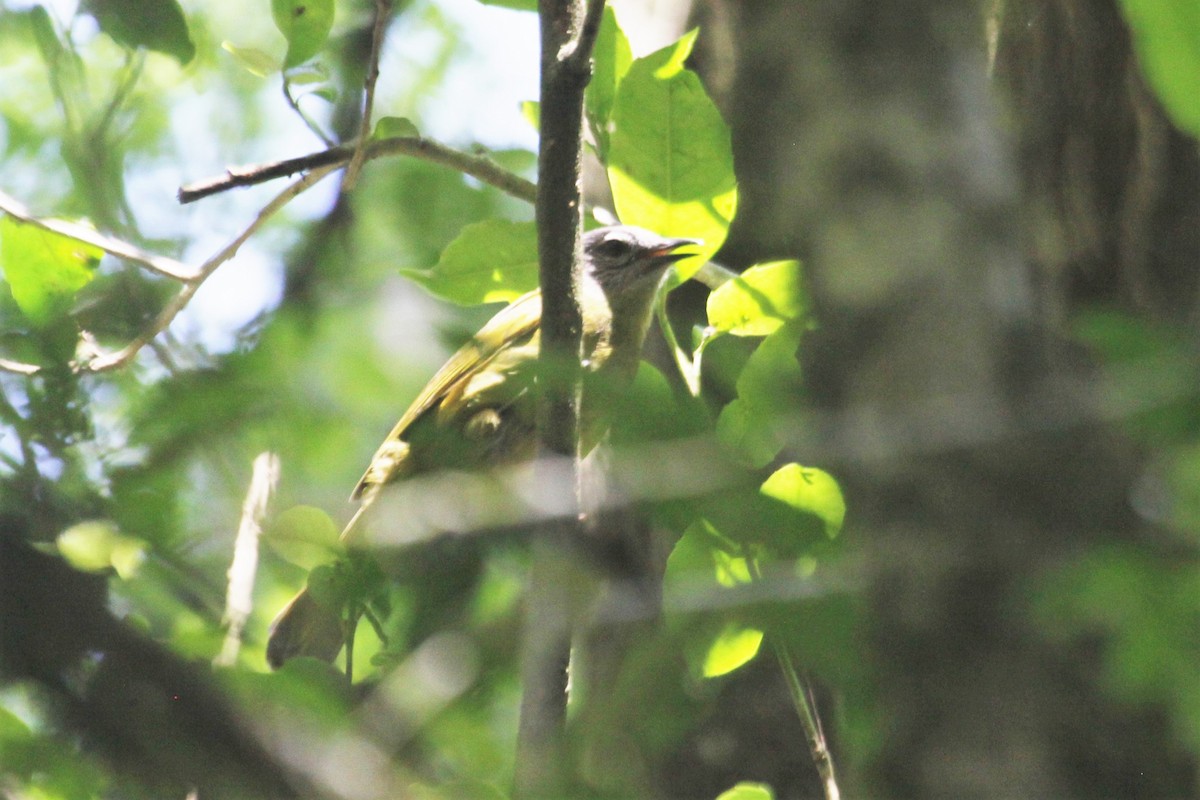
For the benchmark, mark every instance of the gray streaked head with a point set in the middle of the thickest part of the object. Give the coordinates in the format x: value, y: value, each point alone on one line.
x: 622, y: 256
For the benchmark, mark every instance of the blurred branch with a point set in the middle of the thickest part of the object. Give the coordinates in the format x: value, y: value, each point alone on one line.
x: 479, y: 167
x: 239, y: 601
x: 180, y: 301
x: 161, y: 265
x: 382, y: 11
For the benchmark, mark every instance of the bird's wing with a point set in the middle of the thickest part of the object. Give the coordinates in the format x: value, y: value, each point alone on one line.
x: 517, y: 321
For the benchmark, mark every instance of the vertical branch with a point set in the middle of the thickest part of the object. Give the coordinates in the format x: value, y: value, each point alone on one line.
x: 239, y: 596
x: 568, y: 34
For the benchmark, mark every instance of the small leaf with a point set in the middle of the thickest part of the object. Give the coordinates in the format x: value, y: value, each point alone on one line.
x: 733, y: 647
x: 515, y: 5
x: 670, y: 162
x: 748, y: 791
x: 490, y: 262
x: 395, y: 127
x: 809, y: 489
x: 44, y: 269
x: 759, y: 301
x: 531, y: 112
x: 305, y: 24
x: 253, y: 60
x: 96, y: 546
x: 304, y: 536
x: 154, y: 24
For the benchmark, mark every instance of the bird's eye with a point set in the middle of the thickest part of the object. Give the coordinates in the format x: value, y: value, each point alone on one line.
x: 615, y: 249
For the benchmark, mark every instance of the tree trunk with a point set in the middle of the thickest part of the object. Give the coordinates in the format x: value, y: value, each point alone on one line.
x: 966, y: 430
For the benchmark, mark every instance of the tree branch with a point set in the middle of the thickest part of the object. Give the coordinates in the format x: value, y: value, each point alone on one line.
x: 542, y: 768
x: 162, y: 265
x: 479, y: 167
x: 382, y: 10
x: 180, y: 300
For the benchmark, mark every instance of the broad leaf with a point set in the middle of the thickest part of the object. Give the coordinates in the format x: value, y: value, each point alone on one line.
x: 492, y: 261
x: 1166, y: 35
x: 611, y: 59
x: 811, y: 490
x: 153, y: 24
x: 304, y: 536
x: 305, y: 24
x: 759, y: 301
x: 44, y: 269
x: 670, y: 162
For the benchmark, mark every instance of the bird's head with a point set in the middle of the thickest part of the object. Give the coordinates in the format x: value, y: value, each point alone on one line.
x: 622, y: 257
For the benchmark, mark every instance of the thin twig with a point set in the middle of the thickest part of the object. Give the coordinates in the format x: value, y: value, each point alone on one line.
x: 162, y: 265
x: 239, y: 598
x: 180, y: 300
x: 479, y: 167
x: 383, y: 10
x: 802, y: 699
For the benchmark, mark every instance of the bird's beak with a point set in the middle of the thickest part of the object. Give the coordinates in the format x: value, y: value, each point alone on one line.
x: 668, y: 252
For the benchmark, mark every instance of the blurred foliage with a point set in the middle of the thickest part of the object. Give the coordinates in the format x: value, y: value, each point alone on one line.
x: 137, y: 475
x: 316, y: 339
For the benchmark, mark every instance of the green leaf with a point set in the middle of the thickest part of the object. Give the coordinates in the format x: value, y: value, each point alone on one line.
x: 670, y: 162
x: 95, y: 546
x: 253, y: 60
x: 1166, y: 35
x: 531, y: 112
x: 304, y: 536
x: 612, y: 58
x: 394, y: 127
x: 305, y: 24
x: 44, y: 269
x: 759, y: 301
x: 770, y: 381
x: 811, y: 490
x: 515, y: 5
x: 744, y: 433
x: 490, y: 262
x: 154, y: 24
x: 748, y: 791
x: 733, y: 647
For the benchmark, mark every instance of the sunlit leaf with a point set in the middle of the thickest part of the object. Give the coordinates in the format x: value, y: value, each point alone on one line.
x: 748, y: 791
x: 491, y: 261
x: 44, y: 269
x: 670, y: 162
x: 1166, y: 35
x: 95, y: 546
x: 733, y: 647
x: 305, y: 24
x: 304, y: 536
x: 809, y: 489
x: 515, y: 5
x: 154, y: 24
x: 253, y: 60
x: 759, y: 301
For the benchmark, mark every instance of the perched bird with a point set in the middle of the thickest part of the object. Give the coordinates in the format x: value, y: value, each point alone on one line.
x: 479, y: 409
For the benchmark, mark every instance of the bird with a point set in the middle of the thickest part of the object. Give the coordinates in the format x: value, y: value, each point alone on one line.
x: 478, y: 410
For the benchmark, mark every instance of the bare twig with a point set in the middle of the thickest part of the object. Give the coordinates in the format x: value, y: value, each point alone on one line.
x: 479, y: 167
x: 180, y: 300
x: 239, y: 600
x: 162, y: 265
x: 383, y: 10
